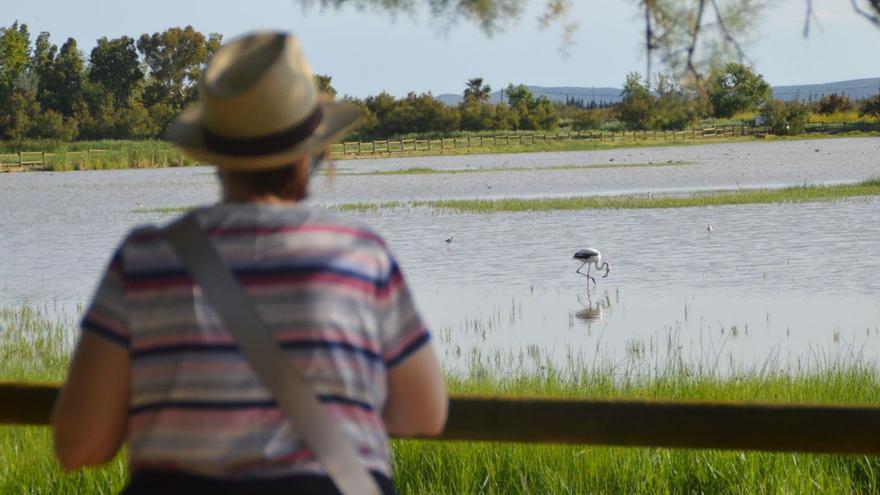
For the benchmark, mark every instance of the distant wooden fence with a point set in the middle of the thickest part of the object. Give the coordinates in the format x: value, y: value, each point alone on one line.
x: 128, y: 158
x: 41, y: 160
x: 415, y: 145
x: 692, y: 425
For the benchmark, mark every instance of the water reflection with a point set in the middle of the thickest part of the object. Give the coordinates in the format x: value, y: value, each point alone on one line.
x: 592, y: 311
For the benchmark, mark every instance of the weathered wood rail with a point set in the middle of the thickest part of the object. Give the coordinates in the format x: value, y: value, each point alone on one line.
x: 853, y: 429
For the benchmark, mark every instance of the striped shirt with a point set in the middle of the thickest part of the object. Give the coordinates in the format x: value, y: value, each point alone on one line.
x: 335, y: 300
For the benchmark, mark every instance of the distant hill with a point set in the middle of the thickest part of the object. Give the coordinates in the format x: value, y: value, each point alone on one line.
x: 856, y: 89
x: 560, y: 94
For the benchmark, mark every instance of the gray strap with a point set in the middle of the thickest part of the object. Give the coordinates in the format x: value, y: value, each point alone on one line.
x: 296, y: 399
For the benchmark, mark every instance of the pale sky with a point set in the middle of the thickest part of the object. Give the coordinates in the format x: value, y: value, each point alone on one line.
x: 368, y: 52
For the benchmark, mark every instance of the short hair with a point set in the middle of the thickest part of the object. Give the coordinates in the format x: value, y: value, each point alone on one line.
x: 288, y: 182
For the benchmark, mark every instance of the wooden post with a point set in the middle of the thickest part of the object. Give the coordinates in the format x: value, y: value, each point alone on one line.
x: 20, y: 160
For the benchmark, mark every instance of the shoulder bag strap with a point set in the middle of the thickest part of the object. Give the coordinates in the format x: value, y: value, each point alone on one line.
x: 319, y: 430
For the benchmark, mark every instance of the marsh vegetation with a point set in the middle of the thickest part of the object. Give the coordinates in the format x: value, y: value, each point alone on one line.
x: 35, y: 347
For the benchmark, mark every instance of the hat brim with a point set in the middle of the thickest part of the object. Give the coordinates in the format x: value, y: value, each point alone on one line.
x: 187, y: 132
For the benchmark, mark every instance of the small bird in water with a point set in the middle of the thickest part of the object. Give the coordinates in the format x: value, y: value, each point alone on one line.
x: 590, y: 256
x: 710, y: 228
x: 449, y: 240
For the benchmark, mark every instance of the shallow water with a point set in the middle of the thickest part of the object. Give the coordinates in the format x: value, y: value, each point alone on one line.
x: 780, y: 284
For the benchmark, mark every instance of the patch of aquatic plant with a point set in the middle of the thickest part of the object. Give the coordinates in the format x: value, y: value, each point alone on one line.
x: 168, y: 210
x: 798, y: 194
x: 477, y: 170
x: 795, y: 194
x: 370, y: 207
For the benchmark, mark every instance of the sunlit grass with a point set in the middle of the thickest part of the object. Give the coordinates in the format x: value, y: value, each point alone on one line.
x: 797, y: 194
x: 478, y: 170
x: 96, y: 155
x: 35, y: 347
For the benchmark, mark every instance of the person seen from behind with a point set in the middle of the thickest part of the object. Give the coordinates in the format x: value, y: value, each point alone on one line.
x: 155, y: 368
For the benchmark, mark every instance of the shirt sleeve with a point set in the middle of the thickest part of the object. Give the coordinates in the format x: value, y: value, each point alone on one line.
x: 403, y: 331
x: 105, y: 316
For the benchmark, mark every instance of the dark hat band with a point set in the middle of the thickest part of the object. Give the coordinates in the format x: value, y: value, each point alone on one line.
x: 264, y: 145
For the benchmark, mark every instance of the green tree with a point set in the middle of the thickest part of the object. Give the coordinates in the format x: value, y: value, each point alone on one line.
x: 114, y: 65
x: 675, y: 107
x: 14, y: 51
x: 585, y: 119
x: 519, y: 95
x: 174, y: 60
x: 505, y: 118
x: 18, y: 86
x: 325, y: 85
x: 44, y: 55
x: 19, y: 110
x: 50, y: 124
x: 735, y: 88
x: 636, y: 107
x: 528, y: 112
x: 476, y: 116
x: 477, y: 91
x: 61, y: 89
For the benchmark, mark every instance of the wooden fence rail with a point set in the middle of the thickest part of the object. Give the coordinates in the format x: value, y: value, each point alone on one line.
x: 694, y: 425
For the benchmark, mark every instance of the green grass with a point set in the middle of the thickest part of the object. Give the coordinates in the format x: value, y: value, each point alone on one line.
x: 95, y: 155
x: 798, y: 194
x: 34, y: 348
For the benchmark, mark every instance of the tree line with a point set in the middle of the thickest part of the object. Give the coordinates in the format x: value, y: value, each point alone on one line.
x: 125, y: 89
x: 133, y: 88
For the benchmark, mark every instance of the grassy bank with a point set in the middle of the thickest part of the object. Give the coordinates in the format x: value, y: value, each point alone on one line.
x: 101, y: 155
x: 798, y: 194
x: 33, y: 347
x: 91, y: 155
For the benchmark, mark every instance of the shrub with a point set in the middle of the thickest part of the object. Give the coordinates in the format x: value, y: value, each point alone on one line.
x: 870, y: 107
x: 636, y: 108
x: 52, y: 125
x: 834, y: 103
x: 584, y: 120
x: 785, y: 118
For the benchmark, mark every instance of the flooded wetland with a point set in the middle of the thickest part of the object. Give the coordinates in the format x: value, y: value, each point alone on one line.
x: 782, y: 285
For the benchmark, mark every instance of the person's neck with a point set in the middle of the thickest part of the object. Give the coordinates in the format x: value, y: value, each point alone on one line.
x: 269, y: 199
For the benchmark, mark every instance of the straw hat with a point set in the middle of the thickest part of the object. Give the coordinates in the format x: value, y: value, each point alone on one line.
x: 259, y: 107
